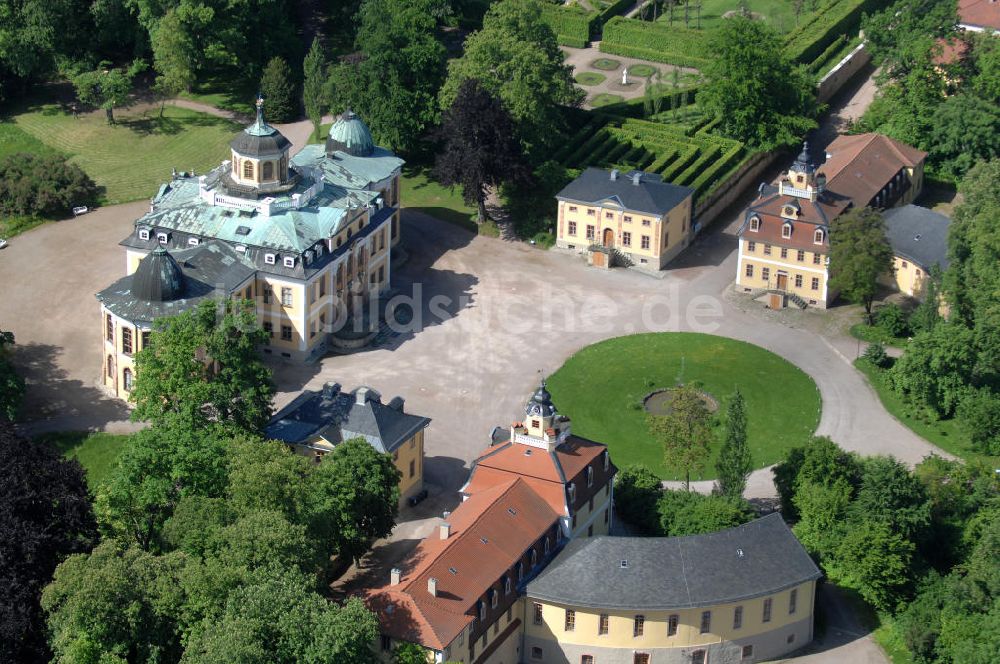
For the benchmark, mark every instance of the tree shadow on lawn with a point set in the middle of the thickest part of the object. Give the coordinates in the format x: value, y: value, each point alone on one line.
x: 145, y: 125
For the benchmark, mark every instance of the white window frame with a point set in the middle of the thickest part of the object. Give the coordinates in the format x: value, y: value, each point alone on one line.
x: 193, y: 241
x: 786, y: 230
x: 162, y: 238
x: 143, y: 233
x: 755, y: 223
x: 289, y: 261
x: 269, y: 259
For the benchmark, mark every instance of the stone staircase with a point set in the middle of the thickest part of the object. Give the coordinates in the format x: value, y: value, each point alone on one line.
x: 789, y: 297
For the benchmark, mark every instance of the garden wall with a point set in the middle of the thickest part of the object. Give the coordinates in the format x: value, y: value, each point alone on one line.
x: 726, y: 191
x: 842, y: 72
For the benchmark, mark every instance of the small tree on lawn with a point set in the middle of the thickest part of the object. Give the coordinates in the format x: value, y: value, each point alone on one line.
x: 314, y: 85
x: 684, y: 433
x: 480, y: 145
x: 278, y: 89
x: 107, y: 87
x: 859, y: 255
x: 734, y: 464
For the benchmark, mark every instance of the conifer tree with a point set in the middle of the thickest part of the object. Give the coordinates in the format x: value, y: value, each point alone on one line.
x: 734, y: 463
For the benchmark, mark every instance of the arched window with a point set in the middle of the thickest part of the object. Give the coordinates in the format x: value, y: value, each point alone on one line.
x: 755, y: 223
x: 534, y: 557
x: 111, y: 367
x: 818, y: 236
x: 127, y: 379
x: 248, y: 170
x: 267, y: 171
x: 786, y: 231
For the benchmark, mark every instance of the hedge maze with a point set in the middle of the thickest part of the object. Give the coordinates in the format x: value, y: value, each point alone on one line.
x: 684, y: 155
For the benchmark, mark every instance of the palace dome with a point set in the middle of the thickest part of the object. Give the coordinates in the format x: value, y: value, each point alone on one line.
x: 158, y: 278
x: 260, y: 139
x: 351, y: 135
x: 540, y: 403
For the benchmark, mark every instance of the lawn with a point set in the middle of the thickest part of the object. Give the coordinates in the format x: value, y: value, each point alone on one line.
x: 873, y: 333
x: 13, y: 139
x: 605, y: 99
x: 946, y: 434
x: 601, y: 388
x: 131, y: 159
x: 419, y: 192
x: 589, y: 78
x: 96, y: 452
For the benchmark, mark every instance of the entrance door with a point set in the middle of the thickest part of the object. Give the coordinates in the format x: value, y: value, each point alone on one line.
x: 782, y: 281
x: 609, y: 237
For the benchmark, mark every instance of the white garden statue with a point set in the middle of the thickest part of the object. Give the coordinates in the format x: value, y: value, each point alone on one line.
x: 625, y: 76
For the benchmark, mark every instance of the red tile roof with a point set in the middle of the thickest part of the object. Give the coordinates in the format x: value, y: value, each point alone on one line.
x: 860, y: 166
x: 979, y: 13
x: 546, y: 472
x: 950, y: 51
x: 490, y: 532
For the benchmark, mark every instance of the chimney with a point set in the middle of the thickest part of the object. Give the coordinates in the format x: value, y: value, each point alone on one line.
x: 361, y: 395
x: 395, y: 576
x: 614, y: 174
x: 445, y: 530
x: 432, y: 586
x: 445, y: 515
x: 636, y: 178
x: 397, y: 403
x: 330, y: 390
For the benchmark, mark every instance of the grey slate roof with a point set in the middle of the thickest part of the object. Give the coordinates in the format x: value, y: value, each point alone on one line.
x: 665, y: 573
x: 340, y: 416
x: 210, y: 270
x: 651, y: 195
x: 918, y: 235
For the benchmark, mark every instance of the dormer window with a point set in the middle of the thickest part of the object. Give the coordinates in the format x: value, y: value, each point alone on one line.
x: 786, y: 230
x: 607, y: 461
x: 162, y: 238
x: 269, y: 259
x: 534, y: 557
x: 818, y: 236
x: 143, y: 233
x: 572, y: 492
x: 789, y: 211
x: 547, y: 546
x: 482, y: 610
x: 520, y: 571
x: 193, y: 241
x: 590, y: 476
x: 289, y: 261
x: 506, y: 585
x: 494, y: 599
x: 755, y: 224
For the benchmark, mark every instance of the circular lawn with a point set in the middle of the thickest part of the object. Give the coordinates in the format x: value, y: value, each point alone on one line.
x: 589, y: 78
x: 602, y: 389
x: 642, y: 71
x: 606, y: 64
x: 605, y: 99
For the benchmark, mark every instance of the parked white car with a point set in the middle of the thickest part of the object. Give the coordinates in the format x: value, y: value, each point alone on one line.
x: 3, y: 243
x: 81, y: 209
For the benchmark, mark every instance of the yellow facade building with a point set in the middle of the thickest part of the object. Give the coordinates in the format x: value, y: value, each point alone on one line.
x: 315, y: 422
x: 784, y: 240
x: 633, y: 219
x: 740, y: 595
x: 919, y: 240
x: 316, y: 231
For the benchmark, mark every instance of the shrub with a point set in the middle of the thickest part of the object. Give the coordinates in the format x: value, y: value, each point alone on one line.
x: 978, y: 413
x: 876, y: 355
x: 892, y: 320
x: 43, y: 185
x: 572, y: 25
x: 637, y: 492
x: 809, y: 41
x: 655, y: 41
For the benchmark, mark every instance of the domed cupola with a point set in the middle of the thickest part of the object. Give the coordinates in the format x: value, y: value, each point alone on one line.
x: 351, y: 135
x: 802, y: 180
x: 158, y: 278
x: 260, y: 155
x: 540, y: 403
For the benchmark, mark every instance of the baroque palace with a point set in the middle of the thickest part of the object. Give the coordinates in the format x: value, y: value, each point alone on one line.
x: 525, y: 570
x: 306, y: 238
x: 785, y: 236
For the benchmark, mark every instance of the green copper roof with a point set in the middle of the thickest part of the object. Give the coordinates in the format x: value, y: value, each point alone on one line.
x: 260, y: 126
x: 351, y: 135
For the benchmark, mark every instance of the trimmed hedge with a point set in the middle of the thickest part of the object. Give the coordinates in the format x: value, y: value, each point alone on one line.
x: 572, y: 25
x: 808, y: 42
x: 679, y: 46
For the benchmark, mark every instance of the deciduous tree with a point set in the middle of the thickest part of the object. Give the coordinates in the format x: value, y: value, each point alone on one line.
x: 45, y: 516
x: 11, y: 384
x: 203, y: 367
x: 44, y: 185
x: 859, y: 255
x: 691, y: 513
x: 734, y: 463
x: 637, y: 493
x: 107, y: 87
x: 480, y: 148
x: 874, y: 561
x: 516, y: 57
x: 754, y: 90
x: 685, y: 432
x: 174, y: 57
